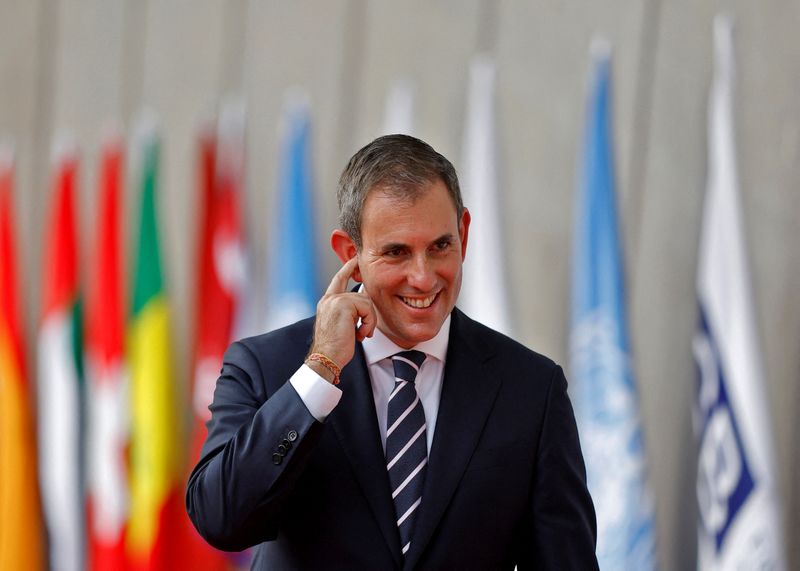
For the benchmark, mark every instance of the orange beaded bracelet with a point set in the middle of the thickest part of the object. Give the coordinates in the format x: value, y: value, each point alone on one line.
x: 328, y: 364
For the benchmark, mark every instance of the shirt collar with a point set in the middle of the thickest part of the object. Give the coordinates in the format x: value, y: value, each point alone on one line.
x: 379, y: 346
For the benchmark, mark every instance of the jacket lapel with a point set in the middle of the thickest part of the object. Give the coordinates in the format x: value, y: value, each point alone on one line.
x: 468, y: 395
x: 356, y: 425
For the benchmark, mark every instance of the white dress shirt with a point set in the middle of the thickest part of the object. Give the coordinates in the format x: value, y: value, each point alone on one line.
x: 321, y: 397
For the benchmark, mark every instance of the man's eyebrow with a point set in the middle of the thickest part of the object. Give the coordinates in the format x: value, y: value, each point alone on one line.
x: 448, y: 237
x: 392, y: 246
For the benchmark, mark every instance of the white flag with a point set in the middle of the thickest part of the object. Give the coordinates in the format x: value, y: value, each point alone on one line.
x: 398, y: 116
x: 739, y: 525
x: 484, y: 295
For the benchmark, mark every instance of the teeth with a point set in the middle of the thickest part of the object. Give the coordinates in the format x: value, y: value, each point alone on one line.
x: 419, y: 303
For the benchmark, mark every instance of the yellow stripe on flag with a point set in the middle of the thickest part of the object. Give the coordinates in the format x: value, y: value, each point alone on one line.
x: 155, y: 428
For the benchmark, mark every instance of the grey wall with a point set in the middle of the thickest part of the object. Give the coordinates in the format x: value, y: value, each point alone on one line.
x: 78, y: 64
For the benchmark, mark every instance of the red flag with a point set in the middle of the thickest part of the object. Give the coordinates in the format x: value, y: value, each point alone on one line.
x: 108, y: 427
x: 214, y: 304
x: 219, y: 282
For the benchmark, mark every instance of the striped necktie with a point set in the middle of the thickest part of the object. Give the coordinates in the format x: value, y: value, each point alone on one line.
x: 406, y: 443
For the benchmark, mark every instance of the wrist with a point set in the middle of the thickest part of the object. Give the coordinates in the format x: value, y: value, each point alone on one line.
x: 324, y: 366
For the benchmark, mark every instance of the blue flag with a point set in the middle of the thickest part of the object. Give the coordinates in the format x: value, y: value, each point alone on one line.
x: 292, y: 288
x: 603, y: 389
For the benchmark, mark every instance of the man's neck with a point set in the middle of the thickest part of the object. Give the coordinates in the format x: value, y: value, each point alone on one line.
x: 379, y: 346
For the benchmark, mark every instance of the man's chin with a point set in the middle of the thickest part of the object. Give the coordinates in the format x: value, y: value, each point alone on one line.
x: 408, y: 337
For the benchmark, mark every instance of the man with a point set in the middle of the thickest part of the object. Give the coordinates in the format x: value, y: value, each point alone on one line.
x: 392, y: 431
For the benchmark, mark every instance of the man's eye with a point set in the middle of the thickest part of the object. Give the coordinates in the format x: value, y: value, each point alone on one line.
x: 394, y: 252
x: 442, y: 246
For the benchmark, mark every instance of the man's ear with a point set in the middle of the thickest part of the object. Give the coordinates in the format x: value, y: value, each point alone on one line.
x: 463, y: 232
x: 345, y: 249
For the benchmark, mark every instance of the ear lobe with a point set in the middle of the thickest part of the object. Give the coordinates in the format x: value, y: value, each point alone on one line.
x: 345, y: 249
x: 463, y: 232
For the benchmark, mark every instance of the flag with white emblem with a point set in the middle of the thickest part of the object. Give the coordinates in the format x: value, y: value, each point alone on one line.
x: 739, y: 525
x: 221, y: 284
x: 108, y: 426
x: 603, y: 387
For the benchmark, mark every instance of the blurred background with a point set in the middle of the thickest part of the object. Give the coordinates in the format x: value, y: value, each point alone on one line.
x: 233, y: 77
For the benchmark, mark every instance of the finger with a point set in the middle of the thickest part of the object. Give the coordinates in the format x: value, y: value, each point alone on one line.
x: 342, y: 277
x: 368, y: 320
x: 363, y: 307
x: 364, y: 331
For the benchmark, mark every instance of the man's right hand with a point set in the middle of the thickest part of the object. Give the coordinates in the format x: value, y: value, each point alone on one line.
x: 338, y: 312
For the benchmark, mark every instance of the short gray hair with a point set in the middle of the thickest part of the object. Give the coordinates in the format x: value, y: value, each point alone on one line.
x: 400, y: 165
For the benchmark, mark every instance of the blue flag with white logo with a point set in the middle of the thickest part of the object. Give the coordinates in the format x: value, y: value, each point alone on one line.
x: 602, y: 384
x: 292, y: 283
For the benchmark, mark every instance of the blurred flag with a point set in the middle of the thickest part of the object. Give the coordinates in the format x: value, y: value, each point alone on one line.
x: 292, y: 285
x: 108, y: 429
x: 222, y: 266
x: 398, y: 115
x: 221, y: 281
x: 603, y: 389
x: 60, y: 385
x: 156, y: 454
x: 21, y: 532
x: 740, y: 524
x: 213, y: 305
x: 484, y: 294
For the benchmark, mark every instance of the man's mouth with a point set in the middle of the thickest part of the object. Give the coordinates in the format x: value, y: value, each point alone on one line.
x: 419, y: 302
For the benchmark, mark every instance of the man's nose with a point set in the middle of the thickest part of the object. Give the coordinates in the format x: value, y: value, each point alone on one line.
x: 421, y: 273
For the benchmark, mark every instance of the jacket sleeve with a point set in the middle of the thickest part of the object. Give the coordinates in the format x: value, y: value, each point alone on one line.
x: 257, y: 446
x: 562, y: 517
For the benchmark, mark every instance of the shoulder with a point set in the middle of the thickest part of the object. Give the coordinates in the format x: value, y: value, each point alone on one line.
x: 298, y: 333
x: 497, y: 348
x: 276, y: 354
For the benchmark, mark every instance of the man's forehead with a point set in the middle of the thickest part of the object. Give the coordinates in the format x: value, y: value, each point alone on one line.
x: 391, y: 222
x: 407, y: 193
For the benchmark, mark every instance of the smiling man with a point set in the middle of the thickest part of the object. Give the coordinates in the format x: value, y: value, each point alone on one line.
x: 391, y: 431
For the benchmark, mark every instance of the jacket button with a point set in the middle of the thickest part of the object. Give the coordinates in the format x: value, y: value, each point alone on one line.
x: 286, y: 444
x: 277, y: 458
x: 292, y: 436
x: 282, y: 449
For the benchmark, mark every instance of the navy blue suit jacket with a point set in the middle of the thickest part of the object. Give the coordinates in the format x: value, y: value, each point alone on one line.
x: 505, y: 483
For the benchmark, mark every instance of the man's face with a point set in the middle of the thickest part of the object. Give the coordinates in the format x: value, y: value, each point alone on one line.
x: 410, y: 261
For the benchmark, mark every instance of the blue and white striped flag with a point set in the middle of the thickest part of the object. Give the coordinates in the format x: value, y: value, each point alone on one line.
x: 292, y: 283
x: 739, y: 525
x: 603, y: 389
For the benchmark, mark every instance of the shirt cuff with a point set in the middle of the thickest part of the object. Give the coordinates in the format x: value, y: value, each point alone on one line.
x: 319, y: 396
